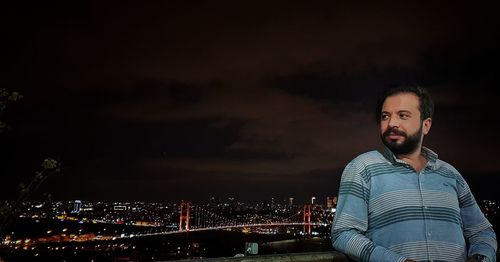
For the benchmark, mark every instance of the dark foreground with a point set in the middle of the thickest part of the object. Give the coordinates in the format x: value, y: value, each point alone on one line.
x: 190, y: 245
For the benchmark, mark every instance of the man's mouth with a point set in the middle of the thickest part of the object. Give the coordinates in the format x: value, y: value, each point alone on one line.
x: 394, y: 136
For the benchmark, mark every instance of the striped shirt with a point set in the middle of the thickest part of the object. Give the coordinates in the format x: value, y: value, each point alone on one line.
x: 389, y: 212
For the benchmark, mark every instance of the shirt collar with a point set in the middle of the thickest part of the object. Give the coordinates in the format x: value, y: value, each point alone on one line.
x: 426, y: 152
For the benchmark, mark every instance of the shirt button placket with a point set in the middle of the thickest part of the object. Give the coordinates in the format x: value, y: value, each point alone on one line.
x: 425, y: 208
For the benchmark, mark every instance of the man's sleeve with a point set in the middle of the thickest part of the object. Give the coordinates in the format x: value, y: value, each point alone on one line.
x: 478, y: 232
x: 351, y: 219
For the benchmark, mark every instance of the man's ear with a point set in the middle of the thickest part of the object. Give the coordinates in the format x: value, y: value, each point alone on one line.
x: 426, y: 125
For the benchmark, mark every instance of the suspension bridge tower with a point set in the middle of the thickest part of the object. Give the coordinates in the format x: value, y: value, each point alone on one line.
x: 184, y: 216
x: 307, y: 219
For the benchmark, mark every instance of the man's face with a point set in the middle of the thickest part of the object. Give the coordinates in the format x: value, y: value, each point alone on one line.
x: 401, y: 128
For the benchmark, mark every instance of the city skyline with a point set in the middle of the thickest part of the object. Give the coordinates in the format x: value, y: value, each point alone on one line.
x: 87, y: 229
x: 171, y: 101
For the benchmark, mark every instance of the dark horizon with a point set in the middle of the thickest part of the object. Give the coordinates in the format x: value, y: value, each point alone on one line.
x: 172, y: 101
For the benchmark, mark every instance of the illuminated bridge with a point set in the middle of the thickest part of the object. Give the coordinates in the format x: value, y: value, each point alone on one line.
x: 195, y: 218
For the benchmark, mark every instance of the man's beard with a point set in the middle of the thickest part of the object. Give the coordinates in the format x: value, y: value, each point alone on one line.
x: 409, y: 145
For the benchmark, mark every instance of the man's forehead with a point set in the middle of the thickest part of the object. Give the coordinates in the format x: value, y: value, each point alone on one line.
x: 402, y: 101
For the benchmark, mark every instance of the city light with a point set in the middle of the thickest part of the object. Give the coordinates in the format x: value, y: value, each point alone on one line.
x: 102, y: 227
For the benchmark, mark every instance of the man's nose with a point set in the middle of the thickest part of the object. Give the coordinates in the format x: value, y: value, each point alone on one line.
x: 393, y: 122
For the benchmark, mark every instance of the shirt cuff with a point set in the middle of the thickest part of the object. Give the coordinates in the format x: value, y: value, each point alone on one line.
x: 484, y: 250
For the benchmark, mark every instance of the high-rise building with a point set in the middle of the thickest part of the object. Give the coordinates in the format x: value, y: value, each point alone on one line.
x: 312, y: 200
x: 77, y: 205
x: 290, y: 201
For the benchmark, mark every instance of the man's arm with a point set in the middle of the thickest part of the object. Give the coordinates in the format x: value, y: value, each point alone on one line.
x: 478, y: 232
x: 351, y: 219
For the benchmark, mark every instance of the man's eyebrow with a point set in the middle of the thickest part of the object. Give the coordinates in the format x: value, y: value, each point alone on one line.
x: 400, y: 111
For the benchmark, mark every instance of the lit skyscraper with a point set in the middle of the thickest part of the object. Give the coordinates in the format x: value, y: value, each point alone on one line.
x: 77, y: 205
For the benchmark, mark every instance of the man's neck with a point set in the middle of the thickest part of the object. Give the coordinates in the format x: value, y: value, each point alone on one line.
x: 415, y: 159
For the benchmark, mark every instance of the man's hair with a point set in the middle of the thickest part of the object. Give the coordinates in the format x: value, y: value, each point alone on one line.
x: 426, y: 104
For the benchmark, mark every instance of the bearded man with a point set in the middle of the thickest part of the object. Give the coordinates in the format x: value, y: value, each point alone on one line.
x: 402, y: 203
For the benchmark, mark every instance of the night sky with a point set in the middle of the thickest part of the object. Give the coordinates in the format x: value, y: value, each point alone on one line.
x: 188, y: 100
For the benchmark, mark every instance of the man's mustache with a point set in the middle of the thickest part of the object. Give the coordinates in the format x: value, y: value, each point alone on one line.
x: 394, y: 131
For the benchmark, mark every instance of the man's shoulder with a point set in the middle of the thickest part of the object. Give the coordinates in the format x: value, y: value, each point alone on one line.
x: 447, y: 167
x: 367, y: 158
x: 361, y: 165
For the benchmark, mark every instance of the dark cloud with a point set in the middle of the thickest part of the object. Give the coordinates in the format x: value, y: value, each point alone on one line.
x: 176, y: 100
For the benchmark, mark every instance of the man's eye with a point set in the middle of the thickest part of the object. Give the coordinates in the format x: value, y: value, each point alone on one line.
x: 404, y: 116
x: 384, y: 117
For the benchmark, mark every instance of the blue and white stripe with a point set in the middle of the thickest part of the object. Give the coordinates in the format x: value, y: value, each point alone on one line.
x: 389, y: 212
